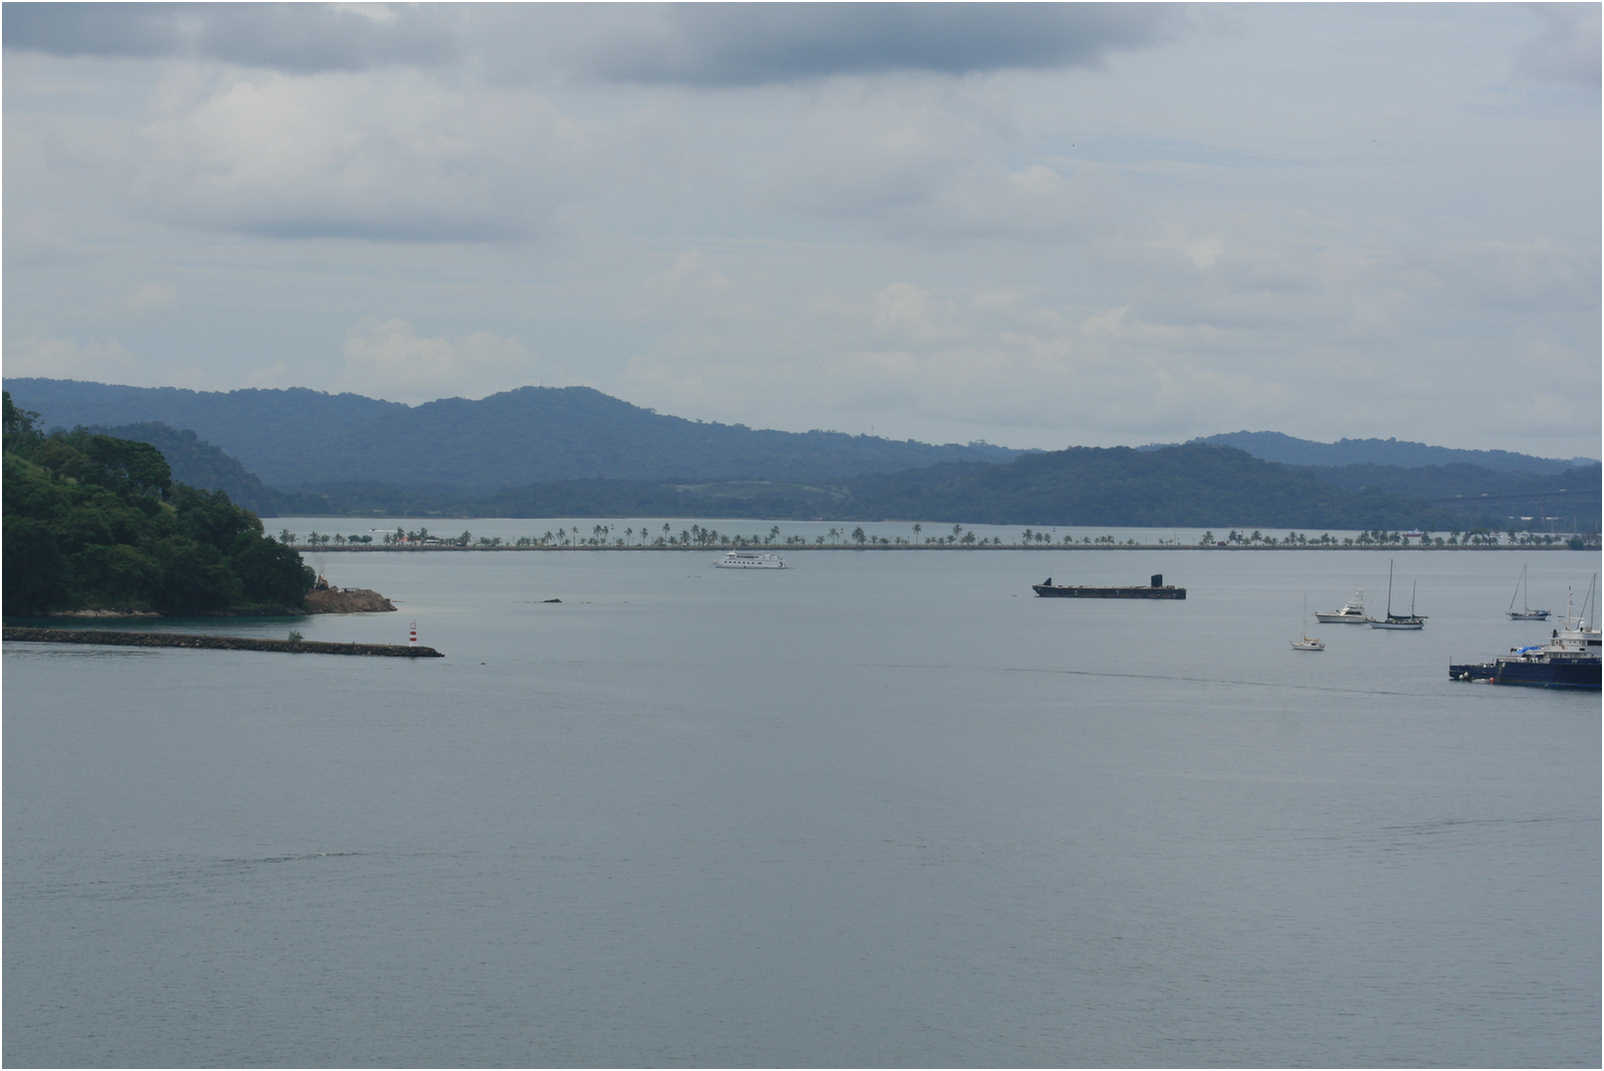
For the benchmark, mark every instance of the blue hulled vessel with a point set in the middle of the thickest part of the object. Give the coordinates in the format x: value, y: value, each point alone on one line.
x: 1570, y: 659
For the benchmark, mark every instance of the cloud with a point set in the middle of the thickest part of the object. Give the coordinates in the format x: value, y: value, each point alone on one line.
x: 292, y: 37
x: 383, y: 157
x: 149, y: 297
x: 1565, y: 48
x: 718, y: 45
x: 102, y: 360
x: 693, y: 272
x: 389, y: 359
x: 917, y: 218
x: 713, y: 45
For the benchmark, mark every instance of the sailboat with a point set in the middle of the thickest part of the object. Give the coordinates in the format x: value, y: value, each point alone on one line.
x: 1306, y: 642
x: 1526, y: 613
x: 1411, y: 621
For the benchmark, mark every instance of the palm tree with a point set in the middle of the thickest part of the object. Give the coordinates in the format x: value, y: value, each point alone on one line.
x: 917, y: 528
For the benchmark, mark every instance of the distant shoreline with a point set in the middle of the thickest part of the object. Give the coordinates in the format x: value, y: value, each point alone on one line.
x: 415, y: 548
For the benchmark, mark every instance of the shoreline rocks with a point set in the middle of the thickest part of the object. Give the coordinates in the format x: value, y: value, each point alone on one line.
x: 326, y: 600
x: 332, y: 600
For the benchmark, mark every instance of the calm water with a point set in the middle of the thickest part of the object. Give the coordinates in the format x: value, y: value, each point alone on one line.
x: 878, y: 809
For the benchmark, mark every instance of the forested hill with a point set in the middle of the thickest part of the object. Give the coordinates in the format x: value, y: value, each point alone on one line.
x: 303, y: 439
x: 200, y: 464
x: 1274, y: 446
x: 1178, y: 486
x: 1175, y: 486
x: 96, y: 522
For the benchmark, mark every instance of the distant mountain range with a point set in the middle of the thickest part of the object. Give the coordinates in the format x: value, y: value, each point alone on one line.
x: 1274, y: 446
x: 307, y: 440
x: 1194, y: 484
x: 577, y: 452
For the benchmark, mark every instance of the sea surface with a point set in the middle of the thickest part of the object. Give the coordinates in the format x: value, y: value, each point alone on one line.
x: 877, y: 809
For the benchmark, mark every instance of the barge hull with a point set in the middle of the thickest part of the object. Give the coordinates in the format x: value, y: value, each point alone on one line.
x: 1050, y: 592
x: 1155, y: 589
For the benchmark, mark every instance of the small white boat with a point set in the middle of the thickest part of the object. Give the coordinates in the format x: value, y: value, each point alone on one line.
x: 750, y: 559
x: 1352, y: 612
x: 1307, y: 642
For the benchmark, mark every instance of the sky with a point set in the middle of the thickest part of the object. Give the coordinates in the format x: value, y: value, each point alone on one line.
x: 1036, y: 225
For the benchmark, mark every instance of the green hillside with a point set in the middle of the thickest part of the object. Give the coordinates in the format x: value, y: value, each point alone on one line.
x: 200, y: 464
x: 96, y: 522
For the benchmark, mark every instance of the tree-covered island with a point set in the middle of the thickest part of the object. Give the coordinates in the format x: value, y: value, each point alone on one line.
x: 94, y: 522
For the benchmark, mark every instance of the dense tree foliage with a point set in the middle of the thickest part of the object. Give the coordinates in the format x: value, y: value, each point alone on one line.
x: 96, y: 522
x: 200, y: 464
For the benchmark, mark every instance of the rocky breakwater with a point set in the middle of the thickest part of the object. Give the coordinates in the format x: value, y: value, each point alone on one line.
x: 99, y: 637
x: 332, y: 600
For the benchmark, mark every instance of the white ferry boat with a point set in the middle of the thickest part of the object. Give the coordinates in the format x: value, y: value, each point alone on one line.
x: 750, y: 559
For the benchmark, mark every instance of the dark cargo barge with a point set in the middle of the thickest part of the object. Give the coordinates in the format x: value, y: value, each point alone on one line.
x: 1156, y: 589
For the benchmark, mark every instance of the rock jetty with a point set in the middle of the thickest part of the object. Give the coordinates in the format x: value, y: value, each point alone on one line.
x: 105, y: 638
x: 332, y: 600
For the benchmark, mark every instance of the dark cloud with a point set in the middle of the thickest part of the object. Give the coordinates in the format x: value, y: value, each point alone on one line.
x: 691, y: 44
x: 750, y: 44
x: 295, y: 37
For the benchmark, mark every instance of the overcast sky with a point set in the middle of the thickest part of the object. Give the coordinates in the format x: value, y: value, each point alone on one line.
x: 1039, y: 225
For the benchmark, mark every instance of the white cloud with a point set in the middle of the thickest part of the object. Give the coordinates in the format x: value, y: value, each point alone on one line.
x: 104, y: 360
x: 694, y: 272
x: 393, y: 156
x: 389, y: 359
x: 151, y: 296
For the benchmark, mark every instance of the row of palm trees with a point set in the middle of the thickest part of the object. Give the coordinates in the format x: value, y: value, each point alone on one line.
x: 1480, y: 537
x: 697, y: 535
